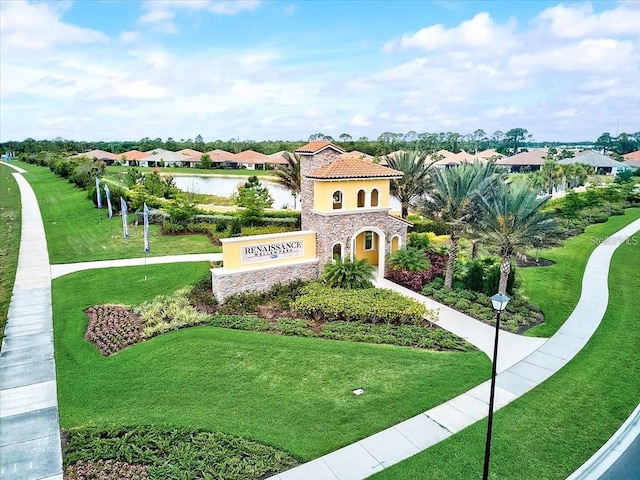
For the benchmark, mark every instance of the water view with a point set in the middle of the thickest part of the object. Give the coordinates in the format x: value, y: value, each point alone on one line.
x: 225, y: 186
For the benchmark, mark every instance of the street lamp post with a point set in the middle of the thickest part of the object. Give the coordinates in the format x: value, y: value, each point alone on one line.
x: 499, y: 302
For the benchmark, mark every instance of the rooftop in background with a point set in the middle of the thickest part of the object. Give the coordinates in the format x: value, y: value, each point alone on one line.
x: 99, y: 154
x: 593, y: 159
x: 532, y: 157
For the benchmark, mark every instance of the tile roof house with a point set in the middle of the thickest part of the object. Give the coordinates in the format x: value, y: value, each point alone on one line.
x: 252, y: 160
x: 632, y: 159
x: 107, y: 157
x: 531, y: 160
x: 160, y: 157
x: 602, y: 163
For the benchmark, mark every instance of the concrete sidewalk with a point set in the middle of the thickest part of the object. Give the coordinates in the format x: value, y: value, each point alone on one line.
x: 59, y: 270
x: 384, y: 449
x: 29, y: 428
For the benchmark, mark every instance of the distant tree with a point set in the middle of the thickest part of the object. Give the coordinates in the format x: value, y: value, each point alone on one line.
x: 625, y: 143
x: 252, y: 193
x: 345, y: 137
x: 198, y: 143
x: 515, y: 138
x: 604, y: 143
x: 205, y: 161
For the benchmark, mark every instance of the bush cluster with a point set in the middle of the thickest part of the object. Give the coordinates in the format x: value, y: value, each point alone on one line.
x: 421, y: 225
x: 105, y: 470
x: 168, y: 454
x: 112, y: 328
x: 416, y: 280
x: 370, y: 305
x: 518, y: 317
x: 427, y: 337
x: 168, y: 312
x: 282, y: 295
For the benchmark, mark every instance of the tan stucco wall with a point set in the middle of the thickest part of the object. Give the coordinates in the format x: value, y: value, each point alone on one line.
x: 323, y: 194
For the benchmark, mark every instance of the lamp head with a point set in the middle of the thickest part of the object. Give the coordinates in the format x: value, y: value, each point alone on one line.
x: 499, y: 302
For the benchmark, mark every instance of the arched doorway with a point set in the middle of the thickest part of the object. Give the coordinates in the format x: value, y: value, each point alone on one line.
x: 369, y: 243
x: 395, y: 244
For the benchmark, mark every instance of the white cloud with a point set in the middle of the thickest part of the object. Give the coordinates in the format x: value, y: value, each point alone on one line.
x: 479, y: 33
x: 578, y: 20
x: 27, y: 26
x: 129, y: 37
x: 162, y: 13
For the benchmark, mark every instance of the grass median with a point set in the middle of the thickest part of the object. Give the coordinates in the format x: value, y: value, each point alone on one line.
x: 290, y: 392
x: 556, y: 288
x: 555, y: 428
x: 10, y: 228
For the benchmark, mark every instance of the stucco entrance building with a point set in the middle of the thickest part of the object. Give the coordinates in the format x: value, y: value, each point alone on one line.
x: 345, y: 214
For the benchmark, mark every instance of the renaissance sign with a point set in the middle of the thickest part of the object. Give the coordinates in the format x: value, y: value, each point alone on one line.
x: 272, y: 251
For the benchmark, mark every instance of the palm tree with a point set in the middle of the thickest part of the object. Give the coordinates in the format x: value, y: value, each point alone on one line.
x: 288, y: 175
x: 511, y: 218
x: 453, y: 200
x: 415, y: 180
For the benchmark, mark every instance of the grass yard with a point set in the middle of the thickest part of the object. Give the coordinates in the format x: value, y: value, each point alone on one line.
x: 10, y: 228
x: 78, y: 232
x: 290, y: 392
x: 556, y: 288
x: 555, y: 428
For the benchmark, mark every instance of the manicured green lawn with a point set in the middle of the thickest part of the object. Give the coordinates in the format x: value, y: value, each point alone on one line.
x: 556, y: 288
x: 552, y: 430
x: 10, y: 227
x: 77, y: 231
x: 290, y: 392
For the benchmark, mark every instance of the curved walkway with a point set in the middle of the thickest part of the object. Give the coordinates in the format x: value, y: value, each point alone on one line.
x: 370, y: 455
x: 29, y: 427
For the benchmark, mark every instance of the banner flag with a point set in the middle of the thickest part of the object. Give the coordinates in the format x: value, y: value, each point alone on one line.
x: 125, y: 214
x: 98, y: 195
x: 108, y: 195
x: 145, y: 214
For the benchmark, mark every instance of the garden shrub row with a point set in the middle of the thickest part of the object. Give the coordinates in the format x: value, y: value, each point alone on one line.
x: 422, y: 225
x: 371, y: 305
x: 416, y: 280
x: 416, y: 336
x: 518, y: 317
x: 146, y: 452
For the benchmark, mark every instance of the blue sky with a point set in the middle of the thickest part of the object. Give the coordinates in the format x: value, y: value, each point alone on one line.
x: 268, y: 70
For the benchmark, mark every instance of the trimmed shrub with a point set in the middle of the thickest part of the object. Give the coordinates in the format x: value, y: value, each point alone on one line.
x: 371, y: 305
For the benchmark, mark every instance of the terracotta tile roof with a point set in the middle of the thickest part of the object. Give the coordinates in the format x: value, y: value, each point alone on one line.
x: 632, y: 155
x: 632, y: 162
x: 532, y: 157
x: 358, y: 155
x: 218, y: 155
x: 354, y: 168
x: 134, y: 155
x: 251, y: 157
x: 189, y: 152
x: 317, y: 146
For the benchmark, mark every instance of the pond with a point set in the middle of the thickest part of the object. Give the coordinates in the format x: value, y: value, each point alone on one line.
x: 225, y: 186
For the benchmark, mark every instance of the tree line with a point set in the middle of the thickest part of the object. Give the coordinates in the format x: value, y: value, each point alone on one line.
x: 507, y: 143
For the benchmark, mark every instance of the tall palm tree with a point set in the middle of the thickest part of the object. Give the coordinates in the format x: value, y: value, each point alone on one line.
x: 453, y: 200
x: 414, y: 183
x: 288, y: 175
x: 511, y: 218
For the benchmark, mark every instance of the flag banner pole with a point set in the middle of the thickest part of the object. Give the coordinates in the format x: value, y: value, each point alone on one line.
x: 108, y: 195
x: 147, y: 248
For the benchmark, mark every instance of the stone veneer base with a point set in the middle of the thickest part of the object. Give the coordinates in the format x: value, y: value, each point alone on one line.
x: 260, y: 279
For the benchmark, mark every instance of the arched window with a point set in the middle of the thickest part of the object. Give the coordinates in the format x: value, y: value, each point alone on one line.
x: 369, y: 240
x: 336, y: 251
x: 361, y: 196
x: 374, y: 197
x: 337, y: 200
